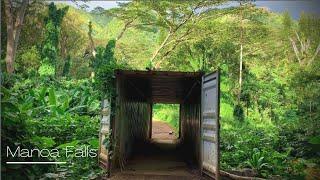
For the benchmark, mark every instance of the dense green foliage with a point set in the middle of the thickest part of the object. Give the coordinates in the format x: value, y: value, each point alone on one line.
x: 46, y: 113
x: 51, y: 42
x: 271, y: 125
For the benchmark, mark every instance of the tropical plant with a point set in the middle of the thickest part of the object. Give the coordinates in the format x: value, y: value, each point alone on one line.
x: 257, y: 161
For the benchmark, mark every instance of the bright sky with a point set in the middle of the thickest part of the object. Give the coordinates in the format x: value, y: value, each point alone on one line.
x: 294, y: 7
x: 92, y: 4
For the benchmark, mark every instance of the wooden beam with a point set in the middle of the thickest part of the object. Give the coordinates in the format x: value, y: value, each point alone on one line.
x: 150, y: 121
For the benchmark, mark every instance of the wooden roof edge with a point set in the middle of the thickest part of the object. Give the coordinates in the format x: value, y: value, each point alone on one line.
x: 161, y: 73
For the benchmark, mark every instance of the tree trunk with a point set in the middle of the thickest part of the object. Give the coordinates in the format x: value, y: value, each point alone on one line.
x: 19, y: 21
x: 63, y: 46
x: 93, y: 51
x: 240, y: 72
x: 310, y: 110
x: 10, y: 38
x: 13, y: 31
x: 161, y: 46
x: 247, y: 104
x: 10, y: 50
x: 241, y: 54
x: 126, y: 26
x: 165, y: 55
x: 92, y: 46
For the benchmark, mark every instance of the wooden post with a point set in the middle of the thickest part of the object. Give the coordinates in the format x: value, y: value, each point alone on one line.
x: 150, y: 121
x: 179, y: 122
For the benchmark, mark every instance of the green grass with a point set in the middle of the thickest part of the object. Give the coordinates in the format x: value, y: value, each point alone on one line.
x: 168, y: 113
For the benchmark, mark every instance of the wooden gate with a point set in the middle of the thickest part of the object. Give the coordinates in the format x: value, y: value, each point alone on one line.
x: 210, y: 124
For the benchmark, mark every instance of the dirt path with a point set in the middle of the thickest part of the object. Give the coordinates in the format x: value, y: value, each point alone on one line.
x: 156, y: 161
x: 162, y: 130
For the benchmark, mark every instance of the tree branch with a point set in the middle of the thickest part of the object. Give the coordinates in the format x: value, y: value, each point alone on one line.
x: 237, y: 177
x: 298, y: 37
x: 126, y: 26
x: 295, y: 49
x: 315, y: 55
x: 176, y: 43
x: 161, y: 46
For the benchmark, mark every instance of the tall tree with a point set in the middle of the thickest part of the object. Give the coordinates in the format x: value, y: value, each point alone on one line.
x: 303, y: 50
x: 132, y: 14
x: 92, y: 46
x: 243, y: 4
x: 241, y: 50
x: 306, y: 44
x: 50, y: 48
x: 175, y: 19
x: 15, y: 13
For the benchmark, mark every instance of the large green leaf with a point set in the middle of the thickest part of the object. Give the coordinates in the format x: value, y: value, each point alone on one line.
x: 42, y: 94
x: 314, y: 140
x: 52, y: 97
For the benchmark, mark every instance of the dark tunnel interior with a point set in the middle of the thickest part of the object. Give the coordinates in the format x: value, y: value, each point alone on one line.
x: 137, y: 91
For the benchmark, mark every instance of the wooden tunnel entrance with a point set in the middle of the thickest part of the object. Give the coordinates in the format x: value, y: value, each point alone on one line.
x: 132, y: 148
